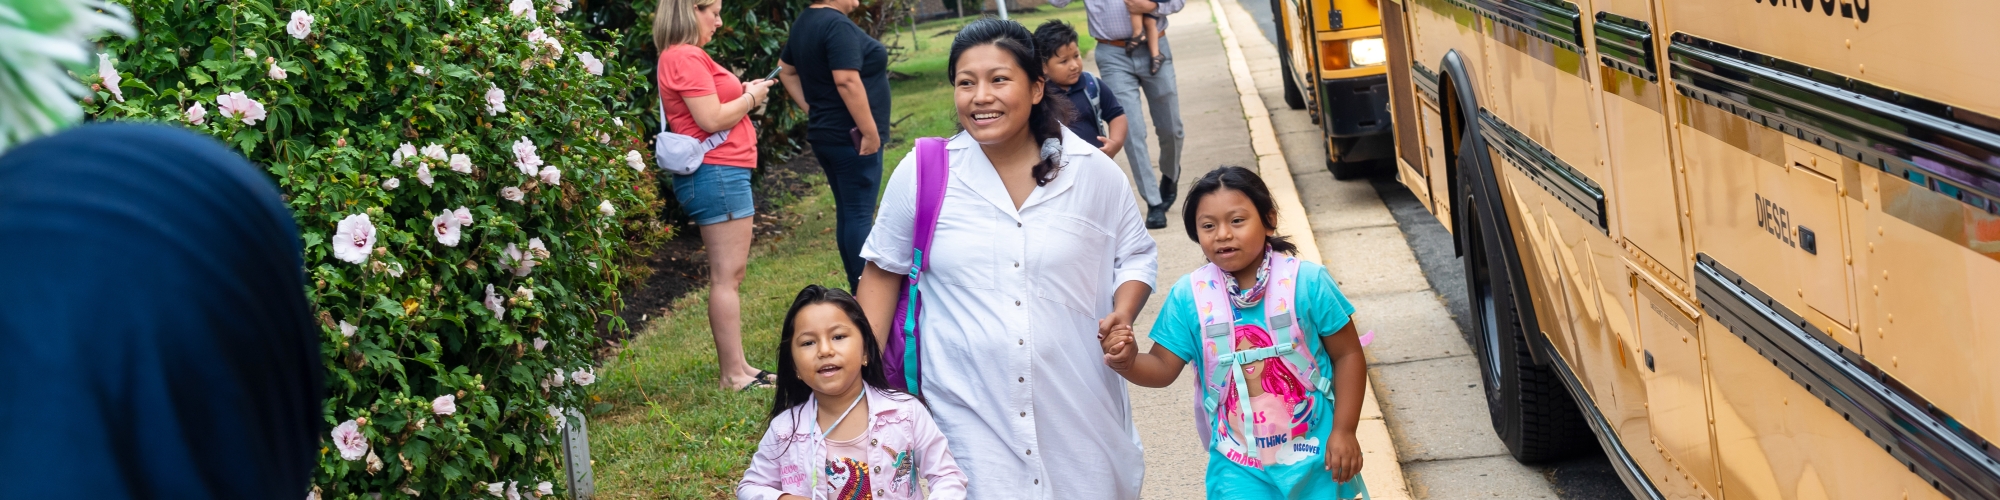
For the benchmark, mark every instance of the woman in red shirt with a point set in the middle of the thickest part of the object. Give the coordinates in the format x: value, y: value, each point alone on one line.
x: 701, y: 99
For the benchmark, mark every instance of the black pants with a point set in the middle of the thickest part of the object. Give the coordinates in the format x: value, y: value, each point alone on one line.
x: 855, y: 181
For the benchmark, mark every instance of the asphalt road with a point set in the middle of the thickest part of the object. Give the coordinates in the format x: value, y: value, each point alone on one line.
x: 1586, y: 476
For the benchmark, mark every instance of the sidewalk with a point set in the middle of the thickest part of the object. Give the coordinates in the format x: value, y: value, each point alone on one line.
x: 1220, y: 132
x: 1424, y: 371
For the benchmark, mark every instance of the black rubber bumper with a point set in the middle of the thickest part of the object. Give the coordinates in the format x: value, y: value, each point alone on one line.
x: 1355, y: 107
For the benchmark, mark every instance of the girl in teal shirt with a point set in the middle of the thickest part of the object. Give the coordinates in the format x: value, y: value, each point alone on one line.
x: 1272, y: 343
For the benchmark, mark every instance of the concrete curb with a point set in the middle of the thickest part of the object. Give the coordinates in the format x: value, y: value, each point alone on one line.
x: 1381, y: 469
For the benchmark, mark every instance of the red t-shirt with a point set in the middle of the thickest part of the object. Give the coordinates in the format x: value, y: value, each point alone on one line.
x: 687, y: 71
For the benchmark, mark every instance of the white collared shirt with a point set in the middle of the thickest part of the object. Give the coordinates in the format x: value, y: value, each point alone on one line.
x: 1011, y: 363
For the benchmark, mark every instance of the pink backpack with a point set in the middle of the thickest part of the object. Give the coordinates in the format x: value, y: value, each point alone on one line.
x: 1222, y: 364
x: 902, y: 359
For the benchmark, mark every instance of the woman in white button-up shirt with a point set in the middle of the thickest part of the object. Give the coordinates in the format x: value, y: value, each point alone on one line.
x: 1035, y: 253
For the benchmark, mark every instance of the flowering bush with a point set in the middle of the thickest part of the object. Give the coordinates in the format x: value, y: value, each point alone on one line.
x: 466, y: 194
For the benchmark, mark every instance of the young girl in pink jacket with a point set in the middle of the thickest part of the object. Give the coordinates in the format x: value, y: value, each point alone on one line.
x: 837, y: 431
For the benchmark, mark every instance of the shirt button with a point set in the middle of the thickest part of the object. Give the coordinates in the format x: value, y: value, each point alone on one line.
x: 1031, y: 452
x: 1017, y: 224
x: 1017, y: 264
x: 871, y: 442
x: 878, y: 470
x: 1021, y: 341
x: 1026, y: 414
x: 1017, y: 303
x: 1038, y: 481
x: 1020, y: 379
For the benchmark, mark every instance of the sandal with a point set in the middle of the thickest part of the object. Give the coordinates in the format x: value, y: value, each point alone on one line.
x: 755, y: 384
x: 1158, y: 61
x: 1137, y: 41
x: 767, y: 377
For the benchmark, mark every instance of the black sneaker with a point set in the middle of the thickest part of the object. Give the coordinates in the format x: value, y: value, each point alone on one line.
x: 1169, y: 191
x: 1156, y: 216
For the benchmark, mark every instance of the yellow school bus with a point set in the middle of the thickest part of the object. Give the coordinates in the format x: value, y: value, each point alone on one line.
x: 1332, y: 58
x: 1752, y: 247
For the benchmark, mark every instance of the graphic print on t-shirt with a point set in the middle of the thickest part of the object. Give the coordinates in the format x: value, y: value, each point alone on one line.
x: 849, y: 478
x: 1279, y: 403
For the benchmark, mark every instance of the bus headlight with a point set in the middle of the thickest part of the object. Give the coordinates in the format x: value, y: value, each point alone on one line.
x: 1367, y: 51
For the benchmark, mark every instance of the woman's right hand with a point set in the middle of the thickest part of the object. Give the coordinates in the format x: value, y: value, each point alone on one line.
x: 871, y: 143
x: 758, y: 90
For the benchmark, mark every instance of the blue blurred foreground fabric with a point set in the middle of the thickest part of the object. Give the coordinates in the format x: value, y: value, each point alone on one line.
x: 155, y: 336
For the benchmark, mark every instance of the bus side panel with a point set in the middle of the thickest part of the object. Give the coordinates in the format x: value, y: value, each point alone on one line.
x: 1442, y: 202
x: 1524, y: 204
x: 1542, y: 90
x: 1775, y: 440
x: 1749, y: 191
x: 1939, y: 49
x: 1403, y: 97
x: 1437, y: 27
x: 1683, y: 459
x: 1934, y: 324
x: 1646, y: 197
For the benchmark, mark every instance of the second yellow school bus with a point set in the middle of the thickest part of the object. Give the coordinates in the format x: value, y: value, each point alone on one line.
x: 1333, y: 60
x: 1751, y: 247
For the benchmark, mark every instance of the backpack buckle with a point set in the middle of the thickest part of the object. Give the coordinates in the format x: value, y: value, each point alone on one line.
x: 1253, y: 355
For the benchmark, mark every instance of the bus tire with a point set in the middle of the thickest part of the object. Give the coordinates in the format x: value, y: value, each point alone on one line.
x: 1532, y: 411
x: 1293, y: 97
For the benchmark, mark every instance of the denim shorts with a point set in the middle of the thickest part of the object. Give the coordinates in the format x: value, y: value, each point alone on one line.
x: 715, y: 194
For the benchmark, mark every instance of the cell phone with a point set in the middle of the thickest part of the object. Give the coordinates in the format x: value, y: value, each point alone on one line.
x: 774, y: 73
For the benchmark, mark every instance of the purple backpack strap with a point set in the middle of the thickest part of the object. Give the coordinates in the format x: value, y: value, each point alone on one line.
x: 904, y: 367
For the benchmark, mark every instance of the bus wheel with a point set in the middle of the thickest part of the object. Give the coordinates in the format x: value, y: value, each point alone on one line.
x: 1293, y: 97
x: 1532, y: 411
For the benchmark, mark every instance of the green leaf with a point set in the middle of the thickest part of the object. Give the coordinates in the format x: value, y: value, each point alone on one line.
x: 419, y: 453
x: 388, y: 307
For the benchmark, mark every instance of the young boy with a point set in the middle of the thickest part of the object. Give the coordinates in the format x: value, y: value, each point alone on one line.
x: 1099, y: 119
x: 1146, y: 30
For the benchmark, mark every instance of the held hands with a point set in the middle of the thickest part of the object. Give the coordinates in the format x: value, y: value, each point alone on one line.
x: 1343, y: 456
x: 1119, y: 350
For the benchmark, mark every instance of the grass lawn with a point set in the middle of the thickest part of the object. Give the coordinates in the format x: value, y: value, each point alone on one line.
x: 669, y: 432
